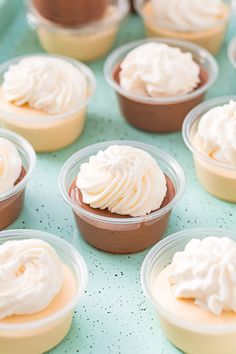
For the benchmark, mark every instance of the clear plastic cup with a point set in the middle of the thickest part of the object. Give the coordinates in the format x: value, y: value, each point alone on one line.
x: 190, y: 337
x: 232, y: 52
x: 121, y: 234
x: 46, y: 132
x: 161, y: 115
x: 39, y: 336
x: 12, y: 201
x: 210, y: 38
x: 217, y: 178
x: 89, y: 42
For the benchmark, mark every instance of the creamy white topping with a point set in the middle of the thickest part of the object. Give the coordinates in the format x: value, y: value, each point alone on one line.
x: 159, y: 70
x: 31, y: 275
x: 188, y: 15
x: 123, y: 179
x: 10, y: 165
x: 216, y: 134
x: 48, y: 84
x: 206, y: 272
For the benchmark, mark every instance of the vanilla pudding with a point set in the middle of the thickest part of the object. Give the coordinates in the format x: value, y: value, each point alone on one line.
x: 44, y: 98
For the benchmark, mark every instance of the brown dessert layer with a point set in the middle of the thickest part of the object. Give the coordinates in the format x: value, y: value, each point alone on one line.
x: 116, y: 238
x: 10, y: 208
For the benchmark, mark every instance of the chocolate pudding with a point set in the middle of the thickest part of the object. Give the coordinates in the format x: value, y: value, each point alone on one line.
x: 71, y: 12
x: 120, y: 238
x: 158, y: 118
x: 11, y: 207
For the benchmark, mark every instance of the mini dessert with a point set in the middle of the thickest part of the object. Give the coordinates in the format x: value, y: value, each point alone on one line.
x: 17, y: 160
x: 190, y: 278
x: 71, y: 12
x: 43, y: 279
x: 88, y: 42
x: 120, y: 197
x: 209, y: 132
x: 158, y: 82
x: 44, y: 98
x: 202, y: 22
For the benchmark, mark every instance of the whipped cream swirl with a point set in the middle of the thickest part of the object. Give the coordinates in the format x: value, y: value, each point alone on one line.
x: 216, y: 134
x: 47, y: 84
x: 159, y: 70
x: 188, y: 15
x: 31, y: 275
x: 206, y: 272
x: 123, y: 179
x: 10, y: 165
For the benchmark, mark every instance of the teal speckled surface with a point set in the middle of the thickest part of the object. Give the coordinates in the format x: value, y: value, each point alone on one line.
x: 113, y: 316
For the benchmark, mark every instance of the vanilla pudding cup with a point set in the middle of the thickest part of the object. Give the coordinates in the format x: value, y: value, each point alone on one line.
x: 12, y: 201
x: 116, y: 233
x: 189, y: 336
x: 46, y: 132
x: 21, y: 336
x: 210, y: 38
x: 160, y: 114
x: 87, y: 42
x: 217, y: 178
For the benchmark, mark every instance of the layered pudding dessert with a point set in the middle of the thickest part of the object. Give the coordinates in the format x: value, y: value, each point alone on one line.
x: 86, y: 42
x: 159, y: 82
x: 212, y: 139
x: 120, y: 196
x: 71, y: 12
x: 44, y: 98
x: 202, y: 22
x: 195, y: 295
x: 38, y: 292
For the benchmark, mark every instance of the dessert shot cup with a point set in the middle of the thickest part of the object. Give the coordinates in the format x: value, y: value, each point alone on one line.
x: 190, y: 337
x: 160, y: 115
x: 210, y: 38
x: 121, y: 234
x: 86, y: 43
x: 39, y: 336
x: 216, y: 177
x: 232, y: 52
x: 12, y: 201
x: 48, y: 132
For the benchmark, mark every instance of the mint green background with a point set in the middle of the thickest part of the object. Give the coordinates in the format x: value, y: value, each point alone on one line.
x: 113, y: 316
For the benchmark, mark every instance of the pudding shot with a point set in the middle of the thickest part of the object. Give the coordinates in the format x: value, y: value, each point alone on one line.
x: 121, y: 193
x: 189, y: 278
x: 44, y: 98
x: 44, y: 278
x: 209, y: 132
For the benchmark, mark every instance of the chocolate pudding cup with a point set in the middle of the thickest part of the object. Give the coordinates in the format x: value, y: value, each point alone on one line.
x: 190, y: 337
x: 116, y: 233
x: 160, y: 115
x: 87, y: 42
x: 71, y: 12
x: 217, y: 178
x: 12, y: 201
x: 42, y: 334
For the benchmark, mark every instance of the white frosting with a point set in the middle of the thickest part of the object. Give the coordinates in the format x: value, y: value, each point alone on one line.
x: 188, y: 15
x: 123, y: 179
x: 216, y: 134
x: 159, y: 70
x: 10, y: 165
x: 48, y: 84
x: 31, y: 275
x: 206, y: 272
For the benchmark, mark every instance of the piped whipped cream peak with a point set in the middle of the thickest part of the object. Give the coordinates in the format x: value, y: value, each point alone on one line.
x: 123, y: 179
x: 216, y: 134
x: 206, y: 272
x: 47, y: 84
x: 188, y: 15
x: 159, y: 70
x: 10, y: 165
x: 31, y: 275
